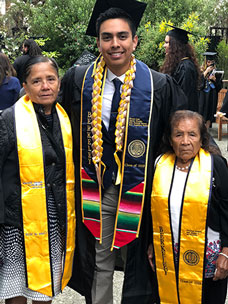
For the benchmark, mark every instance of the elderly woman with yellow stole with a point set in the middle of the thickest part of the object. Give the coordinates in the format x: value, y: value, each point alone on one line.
x: 37, y: 209
x: 189, y: 207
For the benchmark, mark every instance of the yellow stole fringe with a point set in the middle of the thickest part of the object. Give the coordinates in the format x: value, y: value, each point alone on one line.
x: 33, y: 197
x: 185, y: 286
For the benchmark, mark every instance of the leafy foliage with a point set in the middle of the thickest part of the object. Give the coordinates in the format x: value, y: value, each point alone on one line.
x: 222, y: 50
x: 214, y: 13
x: 151, y: 50
x: 65, y: 22
x: 177, y: 10
x: 60, y: 26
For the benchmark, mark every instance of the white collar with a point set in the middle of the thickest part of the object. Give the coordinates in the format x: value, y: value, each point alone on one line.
x: 112, y: 76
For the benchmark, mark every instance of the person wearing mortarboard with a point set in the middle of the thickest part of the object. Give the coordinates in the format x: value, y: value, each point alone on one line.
x: 118, y: 111
x: 181, y: 63
x: 211, y: 85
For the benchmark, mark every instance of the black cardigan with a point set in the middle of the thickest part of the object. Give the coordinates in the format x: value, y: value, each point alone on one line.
x: 54, y: 167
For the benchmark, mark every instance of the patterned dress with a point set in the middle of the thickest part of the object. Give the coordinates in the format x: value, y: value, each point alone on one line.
x: 12, y: 259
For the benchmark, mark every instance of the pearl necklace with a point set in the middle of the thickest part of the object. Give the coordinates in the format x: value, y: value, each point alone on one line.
x: 183, y: 168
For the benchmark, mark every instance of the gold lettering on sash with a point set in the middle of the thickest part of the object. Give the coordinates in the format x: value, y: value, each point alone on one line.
x: 137, y: 122
x: 190, y: 282
x: 163, y: 250
x: 89, y: 137
x: 36, y: 234
x: 193, y: 232
x: 34, y: 185
x: 134, y: 165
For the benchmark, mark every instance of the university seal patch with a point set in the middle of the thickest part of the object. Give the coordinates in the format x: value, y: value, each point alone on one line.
x: 136, y: 148
x: 191, y: 257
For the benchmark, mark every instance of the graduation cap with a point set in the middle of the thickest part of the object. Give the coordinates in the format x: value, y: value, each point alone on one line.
x: 133, y: 8
x: 210, y: 55
x: 178, y: 33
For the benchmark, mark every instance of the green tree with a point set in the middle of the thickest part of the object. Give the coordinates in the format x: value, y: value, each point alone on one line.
x: 151, y: 50
x: 178, y: 10
x: 214, y: 13
x: 65, y: 23
x: 222, y: 50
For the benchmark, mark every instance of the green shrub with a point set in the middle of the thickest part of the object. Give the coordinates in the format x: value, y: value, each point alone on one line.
x: 222, y: 50
x: 151, y: 50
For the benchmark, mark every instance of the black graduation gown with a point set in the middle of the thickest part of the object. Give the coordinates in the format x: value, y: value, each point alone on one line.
x: 208, y: 100
x: 138, y: 274
x: 187, y: 77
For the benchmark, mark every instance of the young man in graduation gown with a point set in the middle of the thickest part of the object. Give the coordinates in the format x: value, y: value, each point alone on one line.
x: 115, y: 148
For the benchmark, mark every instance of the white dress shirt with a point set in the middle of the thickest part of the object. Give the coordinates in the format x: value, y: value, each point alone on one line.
x: 109, y: 90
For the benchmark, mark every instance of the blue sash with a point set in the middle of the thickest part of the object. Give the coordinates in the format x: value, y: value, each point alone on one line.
x: 133, y: 158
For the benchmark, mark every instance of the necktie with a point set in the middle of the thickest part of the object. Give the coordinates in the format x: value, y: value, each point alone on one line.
x: 115, y: 105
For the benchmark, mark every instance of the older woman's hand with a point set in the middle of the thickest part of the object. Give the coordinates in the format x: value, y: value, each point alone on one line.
x: 221, y: 271
x: 150, y: 254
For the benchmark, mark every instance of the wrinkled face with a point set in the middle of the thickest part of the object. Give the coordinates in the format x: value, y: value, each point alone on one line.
x: 116, y: 44
x: 42, y: 85
x: 166, y: 44
x: 185, y: 139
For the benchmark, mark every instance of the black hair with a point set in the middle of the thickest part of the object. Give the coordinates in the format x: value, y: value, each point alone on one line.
x: 174, y: 120
x: 7, y: 69
x: 115, y: 13
x: 33, y: 48
x: 38, y: 59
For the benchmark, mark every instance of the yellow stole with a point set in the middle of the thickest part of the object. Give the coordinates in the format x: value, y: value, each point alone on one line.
x: 185, y: 285
x: 33, y: 197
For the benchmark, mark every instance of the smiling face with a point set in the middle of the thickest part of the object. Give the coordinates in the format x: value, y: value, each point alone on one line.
x: 185, y: 139
x: 116, y: 44
x: 42, y: 85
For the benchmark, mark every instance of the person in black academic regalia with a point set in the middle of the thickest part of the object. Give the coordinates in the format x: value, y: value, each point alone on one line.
x: 181, y: 63
x: 114, y: 173
x: 211, y: 85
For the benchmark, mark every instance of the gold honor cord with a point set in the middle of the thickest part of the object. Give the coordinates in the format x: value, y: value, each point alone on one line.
x: 97, y: 145
x: 122, y: 113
